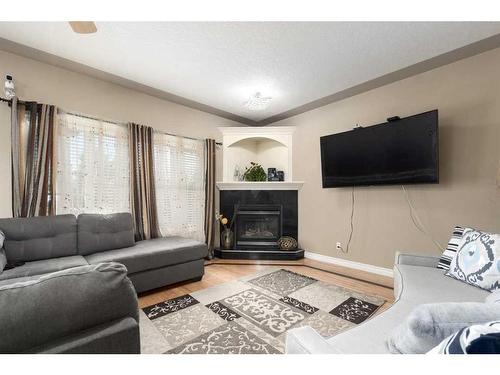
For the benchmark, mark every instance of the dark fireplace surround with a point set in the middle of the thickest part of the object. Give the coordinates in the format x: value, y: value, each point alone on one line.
x: 262, y: 217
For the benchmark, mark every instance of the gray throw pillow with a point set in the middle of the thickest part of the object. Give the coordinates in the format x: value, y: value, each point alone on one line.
x: 429, y: 324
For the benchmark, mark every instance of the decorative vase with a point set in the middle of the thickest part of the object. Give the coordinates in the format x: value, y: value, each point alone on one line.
x: 226, y: 239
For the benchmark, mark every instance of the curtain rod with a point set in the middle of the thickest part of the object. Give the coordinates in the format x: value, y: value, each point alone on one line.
x: 9, y: 101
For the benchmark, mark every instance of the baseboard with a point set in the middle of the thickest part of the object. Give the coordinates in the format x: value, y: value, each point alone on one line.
x: 350, y: 264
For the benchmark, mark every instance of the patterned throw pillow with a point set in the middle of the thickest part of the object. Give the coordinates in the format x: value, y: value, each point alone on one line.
x: 477, y: 261
x: 476, y: 339
x: 451, y: 249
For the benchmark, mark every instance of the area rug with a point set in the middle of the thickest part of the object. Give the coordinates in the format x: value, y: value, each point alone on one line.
x: 251, y: 315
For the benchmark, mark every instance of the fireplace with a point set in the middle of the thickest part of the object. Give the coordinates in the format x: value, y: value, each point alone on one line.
x: 263, y: 211
x: 261, y: 217
x: 258, y: 226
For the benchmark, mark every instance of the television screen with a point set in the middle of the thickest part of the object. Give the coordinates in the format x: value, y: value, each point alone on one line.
x: 403, y: 151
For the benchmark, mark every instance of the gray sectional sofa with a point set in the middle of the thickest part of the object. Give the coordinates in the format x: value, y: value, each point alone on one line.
x: 86, y: 309
x: 417, y: 281
x: 49, y: 244
x: 70, y: 264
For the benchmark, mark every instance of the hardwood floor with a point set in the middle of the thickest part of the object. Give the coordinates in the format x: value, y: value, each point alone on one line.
x: 219, y: 272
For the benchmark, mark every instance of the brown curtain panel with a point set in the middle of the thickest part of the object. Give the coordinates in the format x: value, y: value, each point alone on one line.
x: 33, y: 128
x: 210, y: 195
x: 142, y: 182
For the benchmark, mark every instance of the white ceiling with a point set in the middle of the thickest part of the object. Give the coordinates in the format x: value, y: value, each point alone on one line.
x: 221, y: 64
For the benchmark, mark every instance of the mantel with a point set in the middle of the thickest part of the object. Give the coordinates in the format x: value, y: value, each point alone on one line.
x: 266, y: 185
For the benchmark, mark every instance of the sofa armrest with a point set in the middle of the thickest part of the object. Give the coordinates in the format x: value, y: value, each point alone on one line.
x: 416, y: 260
x: 305, y: 340
x: 63, y: 303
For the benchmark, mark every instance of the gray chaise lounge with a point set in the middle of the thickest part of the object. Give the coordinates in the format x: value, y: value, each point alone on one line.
x: 416, y: 281
x: 50, y: 250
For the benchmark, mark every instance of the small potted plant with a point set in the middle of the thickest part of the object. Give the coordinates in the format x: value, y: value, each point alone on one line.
x: 254, y: 173
x: 226, y: 236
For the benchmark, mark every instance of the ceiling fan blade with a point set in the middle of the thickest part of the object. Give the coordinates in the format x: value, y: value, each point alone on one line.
x: 83, y: 27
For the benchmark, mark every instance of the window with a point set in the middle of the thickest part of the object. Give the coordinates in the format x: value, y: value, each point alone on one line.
x: 180, y: 186
x: 93, y: 174
x: 93, y: 166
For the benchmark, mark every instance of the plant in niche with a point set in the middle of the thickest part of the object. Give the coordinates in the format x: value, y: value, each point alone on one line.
x: 254, y: 173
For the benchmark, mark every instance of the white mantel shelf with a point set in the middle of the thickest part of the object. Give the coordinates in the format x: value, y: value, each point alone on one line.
x: 266, y: 185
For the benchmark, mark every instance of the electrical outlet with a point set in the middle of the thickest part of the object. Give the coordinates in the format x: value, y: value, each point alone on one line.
x: 338, y: 246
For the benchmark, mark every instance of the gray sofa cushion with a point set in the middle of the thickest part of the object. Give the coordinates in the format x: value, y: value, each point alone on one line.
x: 19, y: 279
x: 159, y: 277
x: 104, y: 232
x: 118, y: 337
x: 35, y: 238
x: 39, y: 267
x: 155, y: 253
x: 427, y: 284
x: 64, y: 303
x: 429, y: 324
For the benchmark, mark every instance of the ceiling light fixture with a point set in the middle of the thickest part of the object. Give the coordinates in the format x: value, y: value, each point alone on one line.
x: 83, y: 27
x: 257, y: 102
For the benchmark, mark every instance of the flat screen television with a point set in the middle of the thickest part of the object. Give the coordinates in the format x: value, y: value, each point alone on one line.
x: 404, y: 151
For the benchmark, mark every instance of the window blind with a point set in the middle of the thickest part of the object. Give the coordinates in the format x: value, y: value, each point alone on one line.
x: 93, y: 166
x: 180, y: 185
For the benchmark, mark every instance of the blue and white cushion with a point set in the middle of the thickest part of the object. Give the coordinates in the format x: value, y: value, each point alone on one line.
x: 451, y: 249
x: 476, y: 339
x: 477, y: 261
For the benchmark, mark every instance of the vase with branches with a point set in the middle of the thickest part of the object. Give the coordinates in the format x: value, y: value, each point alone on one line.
x: 226, y: 236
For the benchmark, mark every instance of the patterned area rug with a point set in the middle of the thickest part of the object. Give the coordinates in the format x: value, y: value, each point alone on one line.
x: 251, y: 315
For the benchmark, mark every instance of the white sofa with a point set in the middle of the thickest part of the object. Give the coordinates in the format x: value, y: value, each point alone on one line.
x: 416, y: 281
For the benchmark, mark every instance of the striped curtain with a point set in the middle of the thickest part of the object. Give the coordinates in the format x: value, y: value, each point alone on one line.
x: 33, y: 128
x: 142, y: 182
x: 210, y: 195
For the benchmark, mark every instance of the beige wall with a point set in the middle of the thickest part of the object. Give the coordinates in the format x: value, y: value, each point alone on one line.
x: 467, y: 95
x: 80, y: 93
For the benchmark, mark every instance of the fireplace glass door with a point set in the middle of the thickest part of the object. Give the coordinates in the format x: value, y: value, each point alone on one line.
x: 258, y: 226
